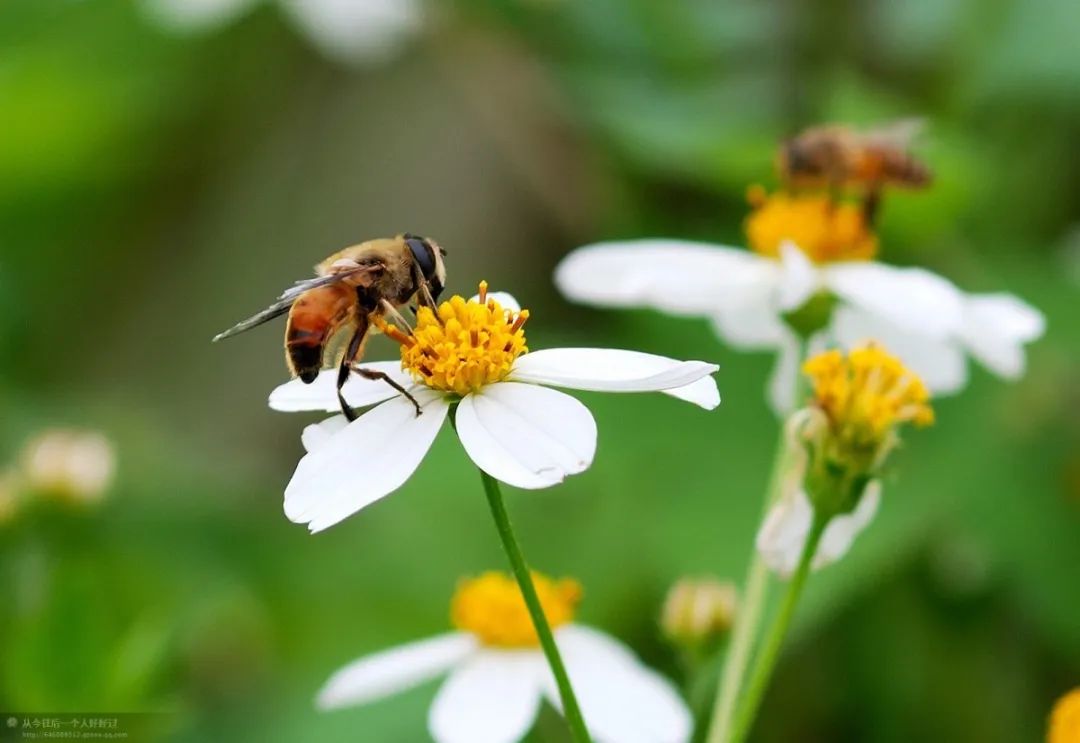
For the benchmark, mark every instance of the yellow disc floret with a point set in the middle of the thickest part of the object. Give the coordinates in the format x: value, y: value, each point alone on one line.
x: 1065, y: 719
x: 867, y: 393
x: 824, y: 229
x: 491, y: 607
x: 465, y: 345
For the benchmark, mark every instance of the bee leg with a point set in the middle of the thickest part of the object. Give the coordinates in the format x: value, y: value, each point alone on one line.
x: 424, y: 291
x: 872, y: 204
x: 347, y: 360
x: 375, y: 374
x: 394, y: 315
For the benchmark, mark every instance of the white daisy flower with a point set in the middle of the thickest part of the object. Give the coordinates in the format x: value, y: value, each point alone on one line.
x: 347, y: 30
x: 498, y: 676
x: 860, y: 399
x: 810, y: 266
x: 471, y: 354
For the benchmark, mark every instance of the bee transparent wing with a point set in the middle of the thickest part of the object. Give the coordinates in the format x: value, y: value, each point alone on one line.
x: 285, y: 302
x: 897, y: 134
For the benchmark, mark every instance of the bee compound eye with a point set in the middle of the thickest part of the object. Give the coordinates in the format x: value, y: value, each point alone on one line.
x: 423, y: 255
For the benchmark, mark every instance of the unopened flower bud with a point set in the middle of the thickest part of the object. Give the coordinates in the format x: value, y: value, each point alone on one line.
x: 72, y: 466
x: 698, y: 611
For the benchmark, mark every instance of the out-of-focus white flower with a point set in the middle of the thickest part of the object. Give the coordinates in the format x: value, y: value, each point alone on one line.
x: 782, y: 535
x: 347, y: 30
x: 498, y: 676
x: 75, y: 466
x: 510, y: 423
x: 810, y: 267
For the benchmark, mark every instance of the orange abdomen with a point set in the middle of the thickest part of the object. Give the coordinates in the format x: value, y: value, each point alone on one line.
x: 881, y: 165
x: 313, y: 320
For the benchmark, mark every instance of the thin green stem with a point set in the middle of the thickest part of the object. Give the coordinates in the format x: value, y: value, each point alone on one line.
x: 744, y: 633
x: 774, y: 639
x: 755, y: 593
x: 571, y: 710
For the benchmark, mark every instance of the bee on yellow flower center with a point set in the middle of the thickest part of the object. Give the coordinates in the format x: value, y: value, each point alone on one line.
x: 491, y: 607
x: 824, y: 229
x: 464, y: 346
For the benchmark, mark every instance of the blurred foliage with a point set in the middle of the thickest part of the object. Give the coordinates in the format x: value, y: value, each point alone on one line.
x: 155, y: 188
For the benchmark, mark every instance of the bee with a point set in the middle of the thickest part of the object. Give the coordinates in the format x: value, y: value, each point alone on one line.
x: 837, y: 157
x: 355, y: 288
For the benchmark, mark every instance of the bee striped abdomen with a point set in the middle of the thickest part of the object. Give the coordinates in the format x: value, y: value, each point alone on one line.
x: 313, y: 320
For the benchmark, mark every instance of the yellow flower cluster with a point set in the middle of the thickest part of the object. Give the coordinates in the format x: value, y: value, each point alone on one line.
x: 825, y: 230
x: 465, y: 346
x: 491, y: 607
x: 1065, y: 719
x: 867, y: 393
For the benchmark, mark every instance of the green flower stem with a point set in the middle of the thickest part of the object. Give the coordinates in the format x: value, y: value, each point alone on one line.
x: 747, y: 617
x: 571, y: 710
x: 755, y: 593
x: 770, y: 651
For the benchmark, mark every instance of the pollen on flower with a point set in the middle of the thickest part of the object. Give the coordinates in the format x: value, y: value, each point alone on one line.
x: 825, y: 230
x: 491, y: 607
x: 1065, y: 719
x: 465, y: 345
x: 868, y: 392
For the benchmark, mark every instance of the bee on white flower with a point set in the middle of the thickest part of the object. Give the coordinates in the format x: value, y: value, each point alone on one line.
x: 498, y: 678
x: 352, y: 31
x: 469, y: 355
x: 810, y: 272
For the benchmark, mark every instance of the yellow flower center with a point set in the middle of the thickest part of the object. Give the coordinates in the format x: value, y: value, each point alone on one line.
x: 1065, y: 719
x: 866, y: 393
x: 464, y: 346
x: 824, y: 229
x: 491, y: 607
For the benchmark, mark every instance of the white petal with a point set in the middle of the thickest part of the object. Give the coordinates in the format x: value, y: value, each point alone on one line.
x: 799, y: 279
x: 368, y: 459
x: 613, y: 370
x: 506, y: 300
x: 912, y: 298
x: 751, y: 326
x: 783, y: 380
x: 940, y: 363
x: 841, y: 532
x: 189, y: 16
x: 295, y: 396
x: 621, y: 699
x: 317, y: 434
x: 783, y: 534
x: 357, y: 30
x: 492, y: 698
x: 526, y: 436
x: 676, y: 276
x: 397, y: 669
x: 996, y: 327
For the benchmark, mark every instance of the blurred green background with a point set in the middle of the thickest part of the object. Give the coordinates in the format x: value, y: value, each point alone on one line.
x: 158, y: 184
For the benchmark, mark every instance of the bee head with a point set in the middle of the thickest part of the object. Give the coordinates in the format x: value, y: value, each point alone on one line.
x: 429, y: 257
